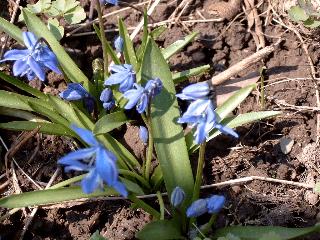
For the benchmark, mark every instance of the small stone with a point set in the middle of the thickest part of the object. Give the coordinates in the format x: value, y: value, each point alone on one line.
x: 286, y: 145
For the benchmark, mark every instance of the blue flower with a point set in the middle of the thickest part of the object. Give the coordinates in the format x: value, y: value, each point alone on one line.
x: 118, y: 44
x: 195, y: 91
x: 197, y: 208
x: 211, y: 205
x: 113, y: 2
x: 123, y: 75
x: 74, y: 92
x: 33, y: 61
x: 177, y: 196
x: 215, y: 203
x: 106, y: 98
x: 143, y: 134
x: 97, y: 161
x: 140, y: 97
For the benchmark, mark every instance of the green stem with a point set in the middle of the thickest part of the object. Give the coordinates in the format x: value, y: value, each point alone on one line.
x: 161, y: 203
x: 150, y: 145
x: 103, y: 40
x: 197, y: 184
x: 145, y: 206
x: 136, y: 176
x: 205, y: 229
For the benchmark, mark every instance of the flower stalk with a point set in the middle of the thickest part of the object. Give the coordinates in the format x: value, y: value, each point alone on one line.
x: 197, y: 184
x: 150, y: 145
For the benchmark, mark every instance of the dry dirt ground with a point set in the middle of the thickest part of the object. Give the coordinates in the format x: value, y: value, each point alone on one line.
x: 288, y: 86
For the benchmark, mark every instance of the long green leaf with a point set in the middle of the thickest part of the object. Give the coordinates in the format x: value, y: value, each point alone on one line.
x: 177, y: 46
x: 45, y: 127
x: 184, y: 75
x: 233, y: 122
x: 168, y: 135
x: 109, y: 122
x: 49, y: 196
x: 261, y: 232
x: 21, y: 85
x: 128, y: 50
x: 14, y: 100
x: 160, y: 230
x: 11, y: 29
x: 69, y: 67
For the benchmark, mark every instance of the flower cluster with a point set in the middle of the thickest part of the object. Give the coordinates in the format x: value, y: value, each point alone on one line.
x: 33, y: 61
x: 97, y: 161
x: 200, y: 113
x: 74, y: 92
x: 210, y: 205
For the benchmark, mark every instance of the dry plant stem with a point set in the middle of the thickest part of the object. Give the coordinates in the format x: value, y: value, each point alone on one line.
x: 103, y: 40
x: 243, y: 64
x: 16, y: 7
x: 34, y: 211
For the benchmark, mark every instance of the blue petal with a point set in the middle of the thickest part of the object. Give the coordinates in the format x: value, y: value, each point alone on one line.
x: 198, y: 107
x: 226, y: 130
x: 108, y: 105
x: 215, y: 203
x: 76, y: 166
x: 118, y: 44
x: 70, y: 95
x: 116, y: 78
x: 154, y: 87
x: 36, y: 68
x: 143, y: 103
x: 177, y: 196
x: 133, y: 96
x: 77, y: 155
x: 128, y: 83
x: 106, y: 167
x: 195, y: 91
x: 49, y: 59
x: 106, y: 95
x: 29, y: 39
x: 200, y: 134
x: 20, y: 67
x: 91, y: 182
x: 143, y: 134
x: 86, y: 135
x: 120, y: 188
x: 197, y: 208
x: 15, y: 54
x: 120, y: 68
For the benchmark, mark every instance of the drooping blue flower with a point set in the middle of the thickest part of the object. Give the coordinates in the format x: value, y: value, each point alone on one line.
x: 197, y: 208
x: 143, y: 134
x: 177, y: 196
x: 215, y: 203
x: 113, y: 2
x: 33, y: 61
x: 123, y: 75
x: 195, y: 91
x: 140, y: 97
x: 211, y: 205
x: 106, y: 98
x: 118, y: 44
x: 74, y: 92
x: 97, y: 161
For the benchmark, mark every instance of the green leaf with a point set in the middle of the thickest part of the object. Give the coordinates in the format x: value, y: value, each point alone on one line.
x: 233, y: 122
x: 128, y: 49
x: 40, y: 7
x: 19, y: 114
x: 311, y: 23
x: 109, y: 122
x: 184, y: 75
x: 21, y: 85
x: 45, y: 127
x: 50, y: 196
x: 257, y: 232
x: 160, y: 230
x: 63, y: 6
x: 12, y: 30
x: 142, y: 47
x: 177, y: 46
x: 75, y: 16
x: 14, y: 100
x: 297, y: 14
x: 168, y: 135
x: 69, y: 67
x: 55, y: 28
x: 132, y: 186
x: 97, y: 236
x: 156, y: 33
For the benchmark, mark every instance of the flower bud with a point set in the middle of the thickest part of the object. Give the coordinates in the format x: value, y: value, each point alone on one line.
x: 195, y: 91
x: 143, y: 134
x: 177, y: 196
x: 118, y: 44
x: 197, y: 208
x: 215, y: 203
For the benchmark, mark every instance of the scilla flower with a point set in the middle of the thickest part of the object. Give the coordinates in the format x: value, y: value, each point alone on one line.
x: 113, y: 2
x: 33, y: 61
x: 106, y: 98
x: 97, y: 161
x: 118, y: 44
x: 140, y: 97
x: 177, y: 196
x: 212, y: 205
x: 143, y: 134
x: 123, y: 75
x: 195, y: 91
x: 74, y: 92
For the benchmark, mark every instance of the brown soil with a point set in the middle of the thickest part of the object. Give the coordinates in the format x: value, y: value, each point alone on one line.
x: 256, y: 153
